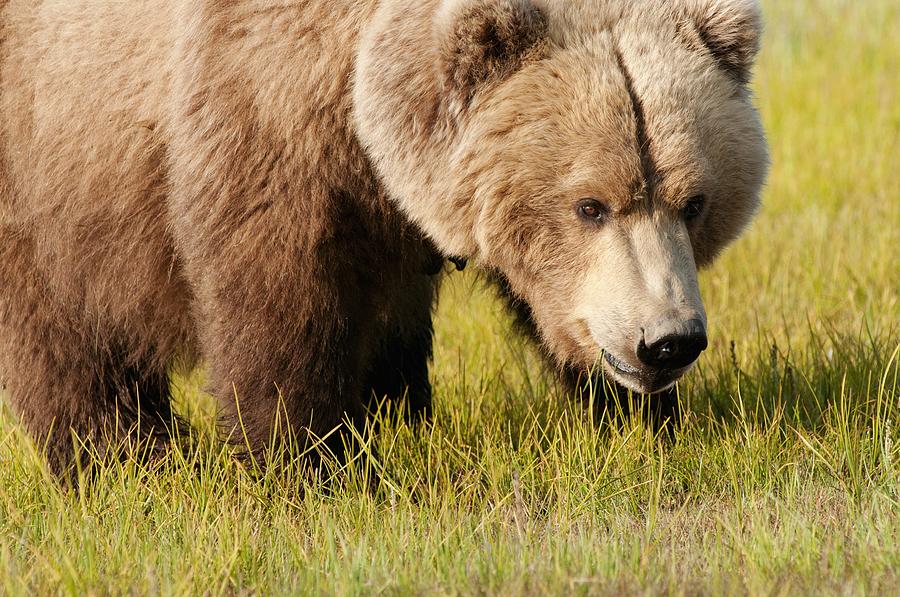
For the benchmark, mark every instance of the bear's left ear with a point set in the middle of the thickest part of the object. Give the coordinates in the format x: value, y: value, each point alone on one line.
x: 730, y: 30
x: 484, y: 41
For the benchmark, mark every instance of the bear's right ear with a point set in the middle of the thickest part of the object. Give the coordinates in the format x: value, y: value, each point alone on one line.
x: 484, y: 41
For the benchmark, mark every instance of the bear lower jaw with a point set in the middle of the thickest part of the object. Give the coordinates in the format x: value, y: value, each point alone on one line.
x: 642, y: 382
x: 619, y: 365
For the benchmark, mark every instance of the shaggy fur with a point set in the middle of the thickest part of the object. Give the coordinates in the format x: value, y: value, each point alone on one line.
x: 268, y: 186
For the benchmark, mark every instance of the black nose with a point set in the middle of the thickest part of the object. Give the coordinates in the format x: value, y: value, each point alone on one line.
x: 672, y: 344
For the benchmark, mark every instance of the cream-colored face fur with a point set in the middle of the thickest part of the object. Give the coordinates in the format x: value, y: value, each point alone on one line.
x: 645, y: 274
x: 592, y: 154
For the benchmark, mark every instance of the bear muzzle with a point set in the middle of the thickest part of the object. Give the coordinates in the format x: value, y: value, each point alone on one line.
x: 665, y: 352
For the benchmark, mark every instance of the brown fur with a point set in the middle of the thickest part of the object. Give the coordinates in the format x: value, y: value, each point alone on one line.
x: 262, y: 185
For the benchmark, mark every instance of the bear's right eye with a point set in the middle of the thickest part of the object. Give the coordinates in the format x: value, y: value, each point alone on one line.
x: 592, y: 210
x: 694, y: 208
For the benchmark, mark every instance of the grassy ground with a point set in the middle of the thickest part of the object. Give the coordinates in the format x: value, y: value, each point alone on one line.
x: 785, y: 478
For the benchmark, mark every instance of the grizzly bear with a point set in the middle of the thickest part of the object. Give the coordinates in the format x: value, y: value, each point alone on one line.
x: 270, y: 188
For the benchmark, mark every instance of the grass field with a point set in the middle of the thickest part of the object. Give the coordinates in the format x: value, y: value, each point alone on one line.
x: 785, y: 477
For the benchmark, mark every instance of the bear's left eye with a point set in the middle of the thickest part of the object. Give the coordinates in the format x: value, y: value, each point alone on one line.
x: 694, y: 208
x: 592, y: 210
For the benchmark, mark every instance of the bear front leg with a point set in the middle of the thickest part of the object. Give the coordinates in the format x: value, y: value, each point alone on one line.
x: 399, y: 370
x: 284, y: 319
x: 283, y: 360
x: 288, y: 245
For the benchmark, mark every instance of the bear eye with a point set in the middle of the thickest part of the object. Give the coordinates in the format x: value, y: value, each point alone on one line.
x: 694, y: 208
x: 592, y: 210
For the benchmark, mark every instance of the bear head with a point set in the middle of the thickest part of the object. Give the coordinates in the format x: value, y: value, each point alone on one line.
x: 592, y: 155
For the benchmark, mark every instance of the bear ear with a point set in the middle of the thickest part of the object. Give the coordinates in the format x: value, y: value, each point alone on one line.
x: 730, y: 30
x: 484, y: 41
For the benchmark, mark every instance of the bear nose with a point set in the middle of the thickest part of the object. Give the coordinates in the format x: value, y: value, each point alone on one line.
x: 672, y: 344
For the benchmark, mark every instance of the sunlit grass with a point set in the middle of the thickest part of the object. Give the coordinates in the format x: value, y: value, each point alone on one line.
x: 785, y: 476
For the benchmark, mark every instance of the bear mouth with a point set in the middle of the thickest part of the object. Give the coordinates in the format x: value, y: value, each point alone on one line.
x: 638, y: 380
x: 619, y: 365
